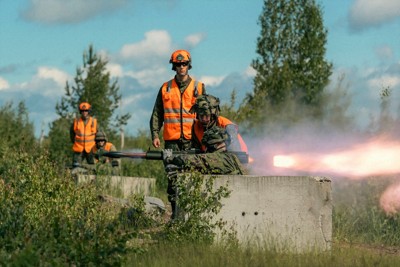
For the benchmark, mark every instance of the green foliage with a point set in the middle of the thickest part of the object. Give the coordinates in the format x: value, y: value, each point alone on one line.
x: 45, y: 218
x: 94, y: 85
x: 358, y: 217
x: 198, y: 204
x: 16, y: 131
x: 291, y: 67
x: 60, y: 145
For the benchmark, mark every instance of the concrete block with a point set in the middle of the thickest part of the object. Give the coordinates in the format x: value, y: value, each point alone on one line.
x: 123, y: 186
x: 290, y: 213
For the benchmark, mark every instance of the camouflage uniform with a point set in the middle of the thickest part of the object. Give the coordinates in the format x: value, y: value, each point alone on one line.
x: 210, y: 163
x: 217, y: 161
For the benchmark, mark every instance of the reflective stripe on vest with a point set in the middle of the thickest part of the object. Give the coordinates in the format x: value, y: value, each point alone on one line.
x: 177, y: 119
x: 84, y: 134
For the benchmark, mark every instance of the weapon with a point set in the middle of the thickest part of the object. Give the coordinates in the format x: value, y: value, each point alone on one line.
x: 162, y: 154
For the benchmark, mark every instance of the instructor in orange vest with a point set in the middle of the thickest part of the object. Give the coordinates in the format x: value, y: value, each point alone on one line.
x: 82, y: 133
x: 171, y: 109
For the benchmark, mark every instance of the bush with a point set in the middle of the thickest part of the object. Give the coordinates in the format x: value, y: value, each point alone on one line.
x: 198, y: 204
x: 46, y: 219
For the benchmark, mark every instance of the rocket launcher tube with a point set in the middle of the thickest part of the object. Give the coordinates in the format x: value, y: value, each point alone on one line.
x: 159, y: 154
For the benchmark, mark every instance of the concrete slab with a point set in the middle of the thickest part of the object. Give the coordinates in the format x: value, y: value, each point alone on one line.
x: 124, y: 186
x: 292, y: 213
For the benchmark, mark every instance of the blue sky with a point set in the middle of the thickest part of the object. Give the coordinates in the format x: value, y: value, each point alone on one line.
x: 42, y: 42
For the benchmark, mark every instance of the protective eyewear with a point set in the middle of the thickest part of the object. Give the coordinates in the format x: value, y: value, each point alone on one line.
x: 180, y: 64
x: 83, y: 110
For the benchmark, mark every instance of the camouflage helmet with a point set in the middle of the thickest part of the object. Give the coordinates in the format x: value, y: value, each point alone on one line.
x: 100, y: 136
x: 206, y: 105
x: 214, y: 135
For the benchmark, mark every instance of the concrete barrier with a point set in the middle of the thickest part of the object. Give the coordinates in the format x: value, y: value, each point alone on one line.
x: 123, y: 186
x: 291, y: 213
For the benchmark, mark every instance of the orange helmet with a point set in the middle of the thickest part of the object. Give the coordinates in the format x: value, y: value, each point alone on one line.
x: 84, y: 106
x: 180, y: 56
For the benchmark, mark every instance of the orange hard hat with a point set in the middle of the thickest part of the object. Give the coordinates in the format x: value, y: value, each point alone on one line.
x: 84, y: 106
x: 180, y: 56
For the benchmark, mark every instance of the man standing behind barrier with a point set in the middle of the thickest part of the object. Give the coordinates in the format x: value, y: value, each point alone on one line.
x: 96, y: 154
x: 207, y: 115
x: 171, y: 109
x: 82, y: 134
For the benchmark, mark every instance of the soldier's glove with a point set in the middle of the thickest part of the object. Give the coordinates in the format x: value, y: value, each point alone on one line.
x: 172, y: 171
x: 167, y: 155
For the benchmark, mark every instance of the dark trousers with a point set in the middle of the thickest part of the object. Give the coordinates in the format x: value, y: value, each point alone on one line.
x: 79, y: 157
x: 178, y: 145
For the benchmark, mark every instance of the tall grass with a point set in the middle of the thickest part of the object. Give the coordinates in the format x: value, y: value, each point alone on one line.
x: 357, y: 216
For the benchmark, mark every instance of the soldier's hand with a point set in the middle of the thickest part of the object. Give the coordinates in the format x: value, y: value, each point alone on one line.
x: 172, y: 171
x: 167, y: 155
x: 156, y: 142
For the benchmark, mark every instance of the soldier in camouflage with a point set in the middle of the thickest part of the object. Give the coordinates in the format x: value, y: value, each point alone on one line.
x: 217, y: 160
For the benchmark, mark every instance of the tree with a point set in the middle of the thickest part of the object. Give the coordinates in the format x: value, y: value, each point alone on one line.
x: 291, y: 65
x: 16, y: 131
x: 94, y: 85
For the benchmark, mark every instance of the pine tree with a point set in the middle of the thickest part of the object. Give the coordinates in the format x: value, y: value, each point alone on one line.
x: 290, y: 65
x: 93, y: 85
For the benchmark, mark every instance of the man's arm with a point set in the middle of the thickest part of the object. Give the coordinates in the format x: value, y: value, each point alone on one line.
x: 72, y: 133
x: 157, y: 117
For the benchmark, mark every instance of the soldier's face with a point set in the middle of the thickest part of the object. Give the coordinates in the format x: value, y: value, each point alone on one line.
x: 84, y: 114
x: 182, y: 68
x: 100, y: 143
x: 205, y: 119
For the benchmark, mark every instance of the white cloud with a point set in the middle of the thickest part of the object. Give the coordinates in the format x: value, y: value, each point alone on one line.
x: 212, y: 80
x: 384, y: 52
x: 250, y: 72
x: 149, y: 77
x: 384, y: 81
x: 143, y: 51
x: 115, y: 70
x: 373, y: 13
x: 54, y: 74
x: 194, y: 39
x: 71, y: 11
x: 4, y: 84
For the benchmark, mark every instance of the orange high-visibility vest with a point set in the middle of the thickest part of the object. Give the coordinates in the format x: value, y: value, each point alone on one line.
x: 221, y: 122
x: 84, y: 134
x: 177, y: 119
x: 106, y: 147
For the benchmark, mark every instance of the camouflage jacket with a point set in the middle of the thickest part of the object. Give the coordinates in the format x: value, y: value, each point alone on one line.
x: 210, y: 163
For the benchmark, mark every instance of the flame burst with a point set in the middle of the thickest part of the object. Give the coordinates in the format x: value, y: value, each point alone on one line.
x: 377, y: 157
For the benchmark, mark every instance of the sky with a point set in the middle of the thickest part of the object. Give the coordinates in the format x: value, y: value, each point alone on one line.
x: 42, y: 43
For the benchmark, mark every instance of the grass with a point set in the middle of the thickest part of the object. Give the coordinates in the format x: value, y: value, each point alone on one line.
x: 200, y: 255
x: 363, y: 236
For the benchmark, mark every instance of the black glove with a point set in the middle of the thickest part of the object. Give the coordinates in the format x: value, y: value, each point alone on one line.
x: 172, y: 171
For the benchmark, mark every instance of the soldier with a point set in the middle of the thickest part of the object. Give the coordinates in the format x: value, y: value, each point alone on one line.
x: 102, y: 145
x: 82, y: 134
x: 216, y: 160
x: 207, y: 115
x: 171, y: 109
